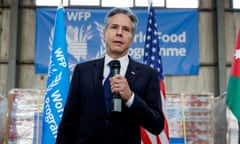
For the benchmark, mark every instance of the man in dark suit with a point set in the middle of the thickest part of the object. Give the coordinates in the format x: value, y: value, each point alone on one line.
x: 86, y: 118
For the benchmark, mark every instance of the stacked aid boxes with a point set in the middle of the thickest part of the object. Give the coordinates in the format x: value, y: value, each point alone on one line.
x: 190, y: 116
x: 24, y: 106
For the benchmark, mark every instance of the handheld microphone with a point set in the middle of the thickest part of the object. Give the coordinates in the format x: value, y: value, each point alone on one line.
x: 116, y: 104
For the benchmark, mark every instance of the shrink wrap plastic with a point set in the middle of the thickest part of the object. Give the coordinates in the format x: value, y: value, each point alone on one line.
x: 25, y: 106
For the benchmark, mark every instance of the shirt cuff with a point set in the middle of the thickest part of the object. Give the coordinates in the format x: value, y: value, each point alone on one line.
x: 130, y: 101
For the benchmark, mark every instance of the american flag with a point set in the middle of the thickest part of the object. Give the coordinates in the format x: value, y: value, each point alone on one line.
x: 152, y: 57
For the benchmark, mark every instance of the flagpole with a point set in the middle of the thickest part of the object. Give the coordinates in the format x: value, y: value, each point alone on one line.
x: 149, y: 5
x: 61, y: 4
x: 183, y: 119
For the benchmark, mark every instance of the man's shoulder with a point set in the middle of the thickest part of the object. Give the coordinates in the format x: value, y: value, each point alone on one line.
x: 91, y: 62
x: 141, y: 65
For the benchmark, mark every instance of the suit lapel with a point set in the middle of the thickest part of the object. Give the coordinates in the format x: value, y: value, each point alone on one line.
x: 98, y: 72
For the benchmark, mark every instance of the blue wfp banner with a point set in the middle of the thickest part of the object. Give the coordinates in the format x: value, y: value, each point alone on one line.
x: 177, y: 33
x: 58, y: 80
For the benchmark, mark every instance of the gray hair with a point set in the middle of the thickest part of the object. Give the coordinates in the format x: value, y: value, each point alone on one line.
x: 118, y: 10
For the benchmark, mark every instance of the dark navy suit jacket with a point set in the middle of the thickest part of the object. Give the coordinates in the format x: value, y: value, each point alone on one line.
x: 85, y: 120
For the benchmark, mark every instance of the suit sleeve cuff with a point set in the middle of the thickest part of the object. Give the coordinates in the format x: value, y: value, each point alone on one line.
x: 130, y: 101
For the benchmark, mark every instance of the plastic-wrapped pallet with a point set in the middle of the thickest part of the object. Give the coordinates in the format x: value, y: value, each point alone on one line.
x: 24, y: 106
x: 190, y: 116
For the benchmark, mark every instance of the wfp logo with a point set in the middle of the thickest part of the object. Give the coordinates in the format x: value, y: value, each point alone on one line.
x: 77, y: 38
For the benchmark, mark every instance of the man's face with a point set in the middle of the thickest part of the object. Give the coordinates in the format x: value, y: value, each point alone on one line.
x: 118, y: 35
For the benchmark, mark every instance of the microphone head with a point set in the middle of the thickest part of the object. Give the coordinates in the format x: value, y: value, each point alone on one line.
x: 115, y: 66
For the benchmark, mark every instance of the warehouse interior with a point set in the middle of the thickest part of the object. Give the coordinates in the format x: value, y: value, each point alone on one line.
x: 218, y: 25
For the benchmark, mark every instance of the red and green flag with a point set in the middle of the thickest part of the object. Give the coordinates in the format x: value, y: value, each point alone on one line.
x: 233, y: 90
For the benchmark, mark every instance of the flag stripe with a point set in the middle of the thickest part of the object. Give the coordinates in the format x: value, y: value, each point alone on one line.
x: 144, y: 136
x: 233, y: 96
x: 164, y: 135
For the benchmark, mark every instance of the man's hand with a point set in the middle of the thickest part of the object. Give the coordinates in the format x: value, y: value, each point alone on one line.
x: 120, y: 85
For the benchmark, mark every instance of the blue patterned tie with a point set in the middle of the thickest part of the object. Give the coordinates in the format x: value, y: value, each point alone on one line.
x: 107, y: 90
